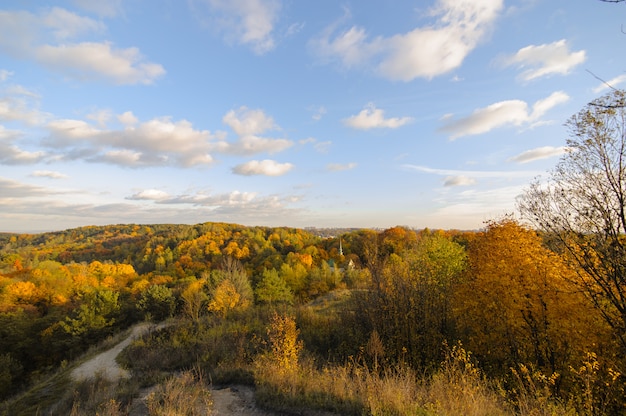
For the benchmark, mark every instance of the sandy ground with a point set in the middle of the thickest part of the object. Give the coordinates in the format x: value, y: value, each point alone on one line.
x: 235, y: 400
x: 105, y: 363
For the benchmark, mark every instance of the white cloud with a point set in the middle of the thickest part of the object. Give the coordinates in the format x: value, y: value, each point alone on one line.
x: 12, y: 189
x: 245, y: 121
x: 46, y: 39
x: 21, y: 104
x: 69, y: 130
x: 459, y: 180
x: 14, y: 109
x: 25, y: 205
x: 91, y: 61
x: 123, y: 157
x: 538, y: 61
x: 424, y: 52
x: 262, y: 167
x: 65, y: 25
x: 248, y: 22
x: 13, y: 155
x: 539, y: 153
x: 337, y: 167
x: 248, y: 125
x: 150, y: 195
x: 612, y: 83
x: 128, y: 118
x: 510, y: 112
x: 371, y: 118
x: 125, y: 140
x: 48, y: 174
x: 234, y: 198
x: 156, y: 142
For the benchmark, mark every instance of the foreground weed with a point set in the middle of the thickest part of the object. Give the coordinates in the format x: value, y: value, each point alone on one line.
x: 185, y: 394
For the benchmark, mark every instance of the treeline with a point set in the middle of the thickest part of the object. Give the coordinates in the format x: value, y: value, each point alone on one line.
x: 501, y: 292
x: 63, y: 291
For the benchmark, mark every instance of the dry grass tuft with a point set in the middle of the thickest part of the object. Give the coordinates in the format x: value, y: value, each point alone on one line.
x: 185, y: 394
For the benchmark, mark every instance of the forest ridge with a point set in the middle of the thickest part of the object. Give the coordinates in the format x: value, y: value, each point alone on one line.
x: 499, y: 291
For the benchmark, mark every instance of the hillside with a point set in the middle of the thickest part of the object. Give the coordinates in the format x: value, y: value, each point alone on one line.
x: 431, y: 315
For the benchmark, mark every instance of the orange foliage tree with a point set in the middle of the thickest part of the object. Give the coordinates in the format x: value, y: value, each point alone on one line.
x: 517, y: 305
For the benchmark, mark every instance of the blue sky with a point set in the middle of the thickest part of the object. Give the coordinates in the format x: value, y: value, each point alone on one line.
x: 290, y: 113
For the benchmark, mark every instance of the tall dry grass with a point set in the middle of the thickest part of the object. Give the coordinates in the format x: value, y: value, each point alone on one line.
x: 356, y: 389
x: 184, y: 394
x: 457, y: 388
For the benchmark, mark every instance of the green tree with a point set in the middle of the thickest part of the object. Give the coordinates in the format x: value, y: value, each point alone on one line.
x: 96, y: 314
x: 272, y: 289
x: 407, y: 302
x: 157, y: 302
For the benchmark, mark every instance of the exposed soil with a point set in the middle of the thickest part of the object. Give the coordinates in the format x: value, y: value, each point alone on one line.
x: 234, y: 400
x: 105, y: 364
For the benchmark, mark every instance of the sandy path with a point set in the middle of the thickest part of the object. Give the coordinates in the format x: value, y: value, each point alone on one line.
x: 105, y: 364
x: 235, y: 400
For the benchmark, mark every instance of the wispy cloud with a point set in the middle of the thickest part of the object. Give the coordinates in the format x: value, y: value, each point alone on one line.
x: 459, y: 180
x: 473, y: 173
x: 474, y: 205
x: 538, y: 154
x: 337, y: 167
x: 538, y: 61
x: 247, y: 22
x: 424, y: 52
x: 503, y: 113
x: 454, y: 177
x: 374, y: 118
x: 49, y: 39
x: 318, y: 113
x: 612, y: 83
x: 10, y: 189
x: 4, y: 75
x: 18, y: 103
x: 265, y: 167
x: 51, y: 174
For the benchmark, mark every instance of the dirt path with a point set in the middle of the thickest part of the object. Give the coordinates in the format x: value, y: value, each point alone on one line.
x: 105, y: 364
x: 235, y: 400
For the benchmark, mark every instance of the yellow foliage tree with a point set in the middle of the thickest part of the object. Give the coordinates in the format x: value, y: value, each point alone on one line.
x: 284, y: 344
x: 193, y: 299
x: 517, y: 306
x: 226, y: 298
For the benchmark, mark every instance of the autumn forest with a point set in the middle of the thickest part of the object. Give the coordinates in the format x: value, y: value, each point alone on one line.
x: 525, y: 316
